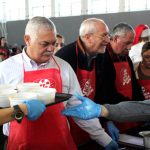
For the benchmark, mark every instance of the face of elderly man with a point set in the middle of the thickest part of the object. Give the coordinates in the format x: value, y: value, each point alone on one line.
x: 122, y: 44
x: 41, y: 48
x: 96, y: 42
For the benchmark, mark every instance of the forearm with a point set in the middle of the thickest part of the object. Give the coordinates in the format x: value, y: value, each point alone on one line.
x: 91, y: 126
x: 95, y: 130
x: 6, y: 113
x: 128, y: 111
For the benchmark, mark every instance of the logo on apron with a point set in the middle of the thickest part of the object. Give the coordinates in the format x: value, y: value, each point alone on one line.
x: 126, y: 77
x: 146, y: 93
x: 46, y: 83
x: 86, y: 87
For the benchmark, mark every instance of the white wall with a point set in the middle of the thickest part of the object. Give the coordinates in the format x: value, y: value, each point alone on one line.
x: 69, y: 26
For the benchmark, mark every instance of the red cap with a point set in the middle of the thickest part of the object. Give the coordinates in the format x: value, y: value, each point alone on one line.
x: 138, y: 31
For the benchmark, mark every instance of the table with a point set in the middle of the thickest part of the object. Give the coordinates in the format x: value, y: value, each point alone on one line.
x: 131, y: 142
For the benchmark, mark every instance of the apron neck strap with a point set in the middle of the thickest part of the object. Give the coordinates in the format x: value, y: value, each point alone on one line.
x: 50, y: 58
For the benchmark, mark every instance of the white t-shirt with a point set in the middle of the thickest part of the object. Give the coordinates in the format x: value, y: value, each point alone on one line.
x: 135, y: 52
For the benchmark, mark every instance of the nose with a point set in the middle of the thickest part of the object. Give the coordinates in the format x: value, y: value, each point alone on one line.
x: 50, y: 47
x: 107, y: 39
x: 59, y: 47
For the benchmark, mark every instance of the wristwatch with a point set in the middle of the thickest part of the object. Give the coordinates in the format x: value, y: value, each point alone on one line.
x: 17, y: 114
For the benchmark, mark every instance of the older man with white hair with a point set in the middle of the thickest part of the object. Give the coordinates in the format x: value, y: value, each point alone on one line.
x: 86, y: 56
x: 35, y: 64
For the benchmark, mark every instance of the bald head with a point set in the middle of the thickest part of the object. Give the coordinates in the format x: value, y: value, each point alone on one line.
x: 91, y: 25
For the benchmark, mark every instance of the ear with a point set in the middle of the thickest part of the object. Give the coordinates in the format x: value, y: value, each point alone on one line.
x: 88, y: 38
x: 27, y: 40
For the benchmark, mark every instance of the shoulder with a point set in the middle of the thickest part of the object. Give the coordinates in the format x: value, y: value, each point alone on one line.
x: 65, y: 68
x: 129, y: 61
x: 10, y: 69
x: 11, y: 61
x: 136, y: 47
x: 107, y: 57
x: 66, y: 50
x: 68, y: 53
x: 61, y: 62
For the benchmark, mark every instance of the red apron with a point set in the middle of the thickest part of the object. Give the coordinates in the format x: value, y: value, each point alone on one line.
x: 145, y: 84
x: 50, y: 131
x: 124, y: 86
x: 123, y: 79
x: 87, y: 83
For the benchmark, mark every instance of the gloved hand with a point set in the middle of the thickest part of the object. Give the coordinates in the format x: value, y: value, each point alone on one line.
x: 113, y: 130
x: 112, y: 146
x: 35, y: 109
x: 87, y: 110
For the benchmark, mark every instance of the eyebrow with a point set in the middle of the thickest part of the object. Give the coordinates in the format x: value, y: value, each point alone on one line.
x: 45, y: 42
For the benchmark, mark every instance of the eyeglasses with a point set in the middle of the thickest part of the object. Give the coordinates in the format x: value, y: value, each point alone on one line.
x: 105, y: 36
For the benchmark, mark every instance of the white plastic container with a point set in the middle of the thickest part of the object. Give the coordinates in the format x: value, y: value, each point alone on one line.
x: 47, y: 95
x: 23, y: 87
x: 4, y: 97
x: 7, y: 86
x: 146, y: 138
x: 18, y: 98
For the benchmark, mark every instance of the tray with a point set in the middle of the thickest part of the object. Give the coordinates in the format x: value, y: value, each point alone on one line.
x: 60, y: 97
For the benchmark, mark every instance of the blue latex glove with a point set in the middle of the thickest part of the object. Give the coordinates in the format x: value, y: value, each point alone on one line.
x: 113, y: 130
x: 35, y: 109
x: 87, y: 110
x: 112, y: 146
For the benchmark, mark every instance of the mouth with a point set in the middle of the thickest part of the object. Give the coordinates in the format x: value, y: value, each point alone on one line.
x: 147, y: 63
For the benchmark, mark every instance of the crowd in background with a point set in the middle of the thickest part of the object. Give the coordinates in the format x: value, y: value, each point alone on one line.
x: 7, y: 50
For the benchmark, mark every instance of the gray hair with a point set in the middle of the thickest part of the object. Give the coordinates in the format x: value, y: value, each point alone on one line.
x: 37, y: 23
x: 121, y: 29
x: 88, y: 26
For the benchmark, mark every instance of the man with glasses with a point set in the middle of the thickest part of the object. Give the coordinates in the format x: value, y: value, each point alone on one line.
x: 86, y: 56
